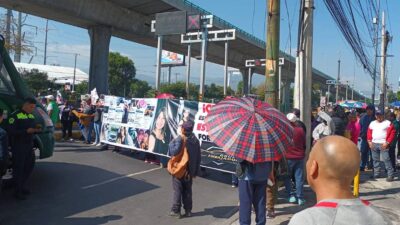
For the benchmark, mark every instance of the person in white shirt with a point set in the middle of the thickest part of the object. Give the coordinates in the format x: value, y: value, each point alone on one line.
x: 380, y: 134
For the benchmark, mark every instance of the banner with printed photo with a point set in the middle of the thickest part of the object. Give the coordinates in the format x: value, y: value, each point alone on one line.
x: 149, y: 125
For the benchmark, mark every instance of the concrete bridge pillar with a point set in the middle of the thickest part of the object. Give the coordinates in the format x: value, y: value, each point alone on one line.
x: 99, y: 49
x: 246, y: 79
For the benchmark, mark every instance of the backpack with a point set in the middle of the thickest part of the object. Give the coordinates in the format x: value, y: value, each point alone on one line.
x: 178, y: 163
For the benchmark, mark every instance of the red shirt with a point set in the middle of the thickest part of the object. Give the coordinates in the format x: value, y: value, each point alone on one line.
x: 298, y: 149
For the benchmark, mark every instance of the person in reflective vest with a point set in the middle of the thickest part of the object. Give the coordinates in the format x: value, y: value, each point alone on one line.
x: 21, y: 129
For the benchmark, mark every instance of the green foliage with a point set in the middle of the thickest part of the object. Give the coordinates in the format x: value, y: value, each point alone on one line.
x: 216, y: 92
x: 36, y: 81
x: 398, y: 94
x: 391, y: 96
x: 82, y: 88
x: 139, y: 88
x: 239, y: 90
x: 122, y: 72
x: 179, y: 90
x: 260, y: 91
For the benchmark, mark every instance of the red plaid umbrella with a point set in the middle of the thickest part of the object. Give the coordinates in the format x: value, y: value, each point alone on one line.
x: 165, y: 96
x: 249, y: 129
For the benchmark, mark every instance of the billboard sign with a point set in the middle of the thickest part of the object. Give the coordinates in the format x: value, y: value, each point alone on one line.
x: 172, y: 59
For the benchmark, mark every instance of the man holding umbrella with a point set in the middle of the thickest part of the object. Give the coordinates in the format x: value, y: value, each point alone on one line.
x: 256, y: 134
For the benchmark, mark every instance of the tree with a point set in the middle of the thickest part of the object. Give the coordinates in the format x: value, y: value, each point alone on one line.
x: 179, y: 90
x: 216, y: 92
x: 391, y: 96
x: 239, y: 90
x: 139, y: 88
x: 122, y: 72
x: 82, y: 88
x: 36, y: 81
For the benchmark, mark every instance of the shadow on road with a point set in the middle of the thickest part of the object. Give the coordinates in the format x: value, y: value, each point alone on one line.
x: 58, y: 196
x: 218, y: 212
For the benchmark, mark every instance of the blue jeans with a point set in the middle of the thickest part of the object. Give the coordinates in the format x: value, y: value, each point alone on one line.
x: 235, y: 180
x: 97, y: 129
x: 376, y: 153
x: 366, y: 155
x: 252, y: 193
x: 89, y: 132
x: 297, y: 167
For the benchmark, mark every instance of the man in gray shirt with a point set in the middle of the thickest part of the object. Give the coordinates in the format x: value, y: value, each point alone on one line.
x: 331, y: 167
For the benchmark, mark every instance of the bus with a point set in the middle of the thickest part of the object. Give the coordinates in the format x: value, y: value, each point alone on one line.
x: 12, y: 92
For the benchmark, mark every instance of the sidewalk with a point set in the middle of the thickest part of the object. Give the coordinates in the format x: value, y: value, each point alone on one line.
x: 380, y: 193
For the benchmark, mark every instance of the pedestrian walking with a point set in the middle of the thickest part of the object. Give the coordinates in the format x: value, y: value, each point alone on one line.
x: 380, y: 135
x: 295, y: 159
x: 365, y: 120
x: 52, y: 109
x: 182, y: 187
x: 246, y: 129
x: 21, y: 128
x: 67, y: 120
x: 331, y: 168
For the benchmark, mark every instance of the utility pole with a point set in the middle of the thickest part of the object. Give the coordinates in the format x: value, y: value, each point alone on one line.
x: 189, y: 56
x: 18, y: 47
x: 306, y: 69
x: 347, y: 89
x: 338, y: 82
x: 73, y: 81
x: 8, y: 27
x: 375, y: 21
x: 45, y: 43
x: 272, y: 52
x: 384, y: 44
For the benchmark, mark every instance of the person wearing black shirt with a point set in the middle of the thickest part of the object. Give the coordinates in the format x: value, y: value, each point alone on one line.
x: 67, y: 120
x: 21, y: 128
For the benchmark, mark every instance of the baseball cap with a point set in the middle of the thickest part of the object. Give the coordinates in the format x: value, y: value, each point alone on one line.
x: 291, y: 117
x: 51, y: 97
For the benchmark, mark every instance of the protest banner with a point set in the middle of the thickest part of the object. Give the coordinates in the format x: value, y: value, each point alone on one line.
x: 149, y: 124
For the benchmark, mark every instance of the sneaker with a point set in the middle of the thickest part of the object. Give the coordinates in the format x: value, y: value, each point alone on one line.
x: 292, y: 199
x: 94, y: 143
x: 270, y: 213
x: 98, y: 145
x: 71, y: 139
x: 188, y: 214
x: 175, y: 214
x: 234, y: 185
x: 389, y: 179
x: 301, y: 201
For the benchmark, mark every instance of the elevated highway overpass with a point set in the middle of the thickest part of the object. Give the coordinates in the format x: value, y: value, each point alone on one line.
x: 131, y: 20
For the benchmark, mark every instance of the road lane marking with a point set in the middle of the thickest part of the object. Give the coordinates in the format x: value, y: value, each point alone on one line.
x: 120, y: 177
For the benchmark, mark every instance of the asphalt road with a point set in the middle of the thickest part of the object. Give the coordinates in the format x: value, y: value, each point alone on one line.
x: 81, y: 185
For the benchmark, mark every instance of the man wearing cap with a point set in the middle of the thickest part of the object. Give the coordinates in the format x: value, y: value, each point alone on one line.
x: 295, y: 158
x: 183, y: 187
x: 21, y: 127
x: 365, y: 120
x: 380, y: 134
x: 331, y: 167
x: 52, y: 109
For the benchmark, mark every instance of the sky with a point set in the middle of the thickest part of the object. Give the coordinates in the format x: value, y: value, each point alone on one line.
x: 329, y: 44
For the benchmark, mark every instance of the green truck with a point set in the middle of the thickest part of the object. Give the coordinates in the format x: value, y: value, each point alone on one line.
x: 12, y: 92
